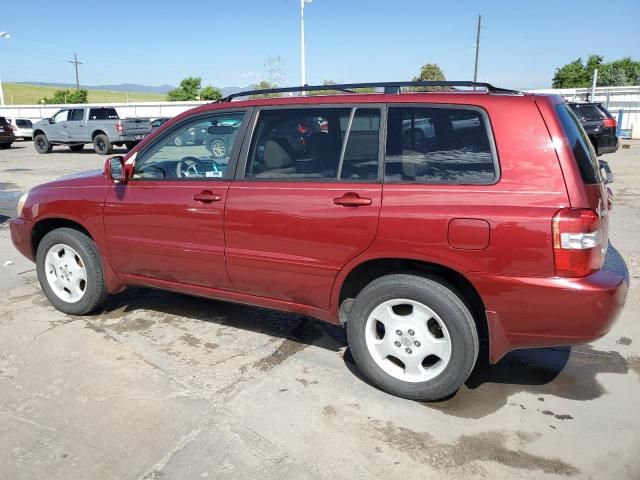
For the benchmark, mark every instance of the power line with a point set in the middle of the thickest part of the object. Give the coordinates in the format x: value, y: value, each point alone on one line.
x: 76, y: 63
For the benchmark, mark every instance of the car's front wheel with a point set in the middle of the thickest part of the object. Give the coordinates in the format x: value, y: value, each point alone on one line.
x: 41, y: 143
x: 413, y: 336
x: 70, y: 272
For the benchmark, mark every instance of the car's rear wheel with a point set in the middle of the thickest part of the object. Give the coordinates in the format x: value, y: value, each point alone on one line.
x: 413, y: 336
x: 76, y: 148
x: 41, y: 143
x: 102, y: 145
x: 218, y: 148
x: 5, y: 145
x: 70, y: 272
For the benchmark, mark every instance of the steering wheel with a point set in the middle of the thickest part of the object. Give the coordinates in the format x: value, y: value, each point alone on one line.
x: 189, y: 167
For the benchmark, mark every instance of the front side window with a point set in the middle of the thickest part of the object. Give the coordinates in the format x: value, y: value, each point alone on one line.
x: 199, y: 148
x: 315, y: 143
x: 61, y: 116
x: 438, y: 145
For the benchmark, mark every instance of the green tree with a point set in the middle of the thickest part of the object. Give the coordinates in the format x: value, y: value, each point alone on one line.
x: 429, y: 72
x: 189, y: 89
x: 577, y: 74
x: 265, y: 85
x: 328, y: 91
x: 68, y: 96
x: 210, y: 93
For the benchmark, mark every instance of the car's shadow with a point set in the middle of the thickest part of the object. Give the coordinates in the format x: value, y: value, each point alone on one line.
x: 561, y: 372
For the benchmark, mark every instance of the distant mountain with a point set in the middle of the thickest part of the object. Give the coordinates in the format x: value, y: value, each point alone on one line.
x: 122, y: 87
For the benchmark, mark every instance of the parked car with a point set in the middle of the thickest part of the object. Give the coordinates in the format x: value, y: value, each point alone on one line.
x: 218, y: 139
x: 426, y: 251
x: 599, y: 124
x: 6, y: 133
x: 22, y: 128
x: 101, y: 126
x: 158, y: 122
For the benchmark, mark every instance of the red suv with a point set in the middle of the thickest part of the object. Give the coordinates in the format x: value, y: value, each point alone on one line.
x: 428, y: 223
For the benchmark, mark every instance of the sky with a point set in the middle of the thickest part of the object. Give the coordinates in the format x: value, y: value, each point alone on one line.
x: 228, y: 42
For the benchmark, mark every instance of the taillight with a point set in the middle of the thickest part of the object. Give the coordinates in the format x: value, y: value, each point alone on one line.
x: 119, y: 128
x: 609, y: 122
x: 302, y: 129
x: 577, y: 242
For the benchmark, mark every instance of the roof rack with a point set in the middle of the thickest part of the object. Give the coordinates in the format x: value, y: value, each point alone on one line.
x: 389, y: 88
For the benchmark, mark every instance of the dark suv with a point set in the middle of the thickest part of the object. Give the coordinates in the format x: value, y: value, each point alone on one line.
x: 599, y: 125
x: 429, y: 223
x: 6, y: 133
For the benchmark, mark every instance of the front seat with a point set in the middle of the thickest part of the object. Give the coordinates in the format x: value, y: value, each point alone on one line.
x: 278, y: 161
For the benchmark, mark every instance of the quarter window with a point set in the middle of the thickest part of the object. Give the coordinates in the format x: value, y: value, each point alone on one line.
x: 200, y: 148
x: 438, y: 145
x: 315, y: 143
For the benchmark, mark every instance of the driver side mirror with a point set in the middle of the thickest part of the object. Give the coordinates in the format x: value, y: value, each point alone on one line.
x: 115, y: 170
x: 48, y: 120
x: 606, y: 170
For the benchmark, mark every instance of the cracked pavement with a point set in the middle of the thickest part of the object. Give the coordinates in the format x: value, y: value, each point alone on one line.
x: 161, y: 385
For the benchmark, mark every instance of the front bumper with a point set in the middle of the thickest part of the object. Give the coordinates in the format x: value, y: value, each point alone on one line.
x: 21, y: 236
x: 531, y: 312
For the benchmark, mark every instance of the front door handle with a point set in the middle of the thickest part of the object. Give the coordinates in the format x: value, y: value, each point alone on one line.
x: 352, y: 200
x: 207, y: 196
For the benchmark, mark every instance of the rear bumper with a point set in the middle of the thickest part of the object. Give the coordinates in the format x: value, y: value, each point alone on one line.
x: 530, y: 312
x: 21, y: 236
x: 137, y: 137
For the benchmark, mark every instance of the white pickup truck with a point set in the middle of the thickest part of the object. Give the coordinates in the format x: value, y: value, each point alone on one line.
x: 76, y: 127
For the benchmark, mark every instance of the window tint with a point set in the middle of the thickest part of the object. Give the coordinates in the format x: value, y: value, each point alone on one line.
x: 200, y: 148
x: 77, y: 114
x: 103, y: 114
x: 590, y: 112
x: 309, y: 143
x: 24, y: 123
x: 438, y: 145
x: 580, y: 144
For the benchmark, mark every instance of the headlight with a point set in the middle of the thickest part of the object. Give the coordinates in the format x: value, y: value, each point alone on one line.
x: 21, y: 202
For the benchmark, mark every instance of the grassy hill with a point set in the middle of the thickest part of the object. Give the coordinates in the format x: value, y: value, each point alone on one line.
x: 22, y: 94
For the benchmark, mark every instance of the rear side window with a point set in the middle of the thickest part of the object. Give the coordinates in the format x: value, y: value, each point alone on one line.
x: 103, y: 114
x: 580, y: 145
x: 439, y: 145
x: 315, y: 143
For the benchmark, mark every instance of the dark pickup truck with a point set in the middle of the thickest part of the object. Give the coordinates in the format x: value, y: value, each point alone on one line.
x: 599, y: 125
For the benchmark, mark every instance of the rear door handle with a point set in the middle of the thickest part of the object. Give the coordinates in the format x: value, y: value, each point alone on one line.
x: 207, y: 196
x: 352, y: 200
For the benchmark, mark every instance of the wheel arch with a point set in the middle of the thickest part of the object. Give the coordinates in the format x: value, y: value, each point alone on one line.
x: 95, y: 133
x: 39, y: 132
x: 355, y: 277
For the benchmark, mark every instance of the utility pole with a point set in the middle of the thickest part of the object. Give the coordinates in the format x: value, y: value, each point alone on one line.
x: 302, y: 59
x: 273, y: 70
x: 76, y: 63
x: 475, y: 68
x: 593, y: 85
x: 3, y: 35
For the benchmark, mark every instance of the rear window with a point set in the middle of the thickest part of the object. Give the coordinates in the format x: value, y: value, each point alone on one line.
x: 439, y: 145
x: 580, y: 144
x: 3, y: 121
x: 24, y: 123
x: 103, y: 114
x: 590, y: 112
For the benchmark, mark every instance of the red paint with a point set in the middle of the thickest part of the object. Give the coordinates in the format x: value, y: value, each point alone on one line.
x: 290, y: 245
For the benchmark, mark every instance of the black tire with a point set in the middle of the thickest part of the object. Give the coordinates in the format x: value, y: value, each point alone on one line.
x: 41, y: 143
x: 4, y: 146
x: 95, y: 293
x: 442, y: 299
x: 102, y: 144
x: 76, y: 148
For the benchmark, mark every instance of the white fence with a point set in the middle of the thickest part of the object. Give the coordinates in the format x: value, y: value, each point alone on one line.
x: 615, y: 99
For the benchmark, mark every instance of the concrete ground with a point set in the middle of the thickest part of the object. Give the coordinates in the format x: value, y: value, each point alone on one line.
x: 161, y: 385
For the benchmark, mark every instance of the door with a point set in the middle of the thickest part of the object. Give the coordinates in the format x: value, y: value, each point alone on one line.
x: 166, y: 223
x: 58, y: 130
x: 306, y: 201
x: 76, y: 125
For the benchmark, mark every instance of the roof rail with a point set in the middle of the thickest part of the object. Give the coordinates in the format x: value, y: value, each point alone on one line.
x: 389, y: 87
